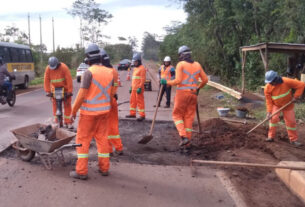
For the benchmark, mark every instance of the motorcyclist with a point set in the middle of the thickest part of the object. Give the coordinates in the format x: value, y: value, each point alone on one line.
x: 3, y: 83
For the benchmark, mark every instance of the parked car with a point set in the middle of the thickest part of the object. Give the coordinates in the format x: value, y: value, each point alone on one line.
x: 80, y: 70
x: 124, y: 64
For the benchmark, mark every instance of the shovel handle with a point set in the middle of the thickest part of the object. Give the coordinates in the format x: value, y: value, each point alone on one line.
x: 155, y: 114
x: 267, y: 119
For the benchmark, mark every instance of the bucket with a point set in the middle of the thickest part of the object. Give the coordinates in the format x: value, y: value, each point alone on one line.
x: 223, y: 111
x: 241, y: 114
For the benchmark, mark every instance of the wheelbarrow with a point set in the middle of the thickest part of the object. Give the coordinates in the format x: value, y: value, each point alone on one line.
x: 27, y: 146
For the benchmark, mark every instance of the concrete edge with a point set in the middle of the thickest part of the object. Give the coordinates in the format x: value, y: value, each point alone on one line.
x: 147, y: 120
x: 293, y: 179
x: 235, y: 195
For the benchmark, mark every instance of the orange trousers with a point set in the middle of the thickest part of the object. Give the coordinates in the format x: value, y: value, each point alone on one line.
x: 137, y: 102
x: 290, y: 122
x: 67, y: 110
x: 90, y: 126
x: 184, y: 112
x: 114, y: 137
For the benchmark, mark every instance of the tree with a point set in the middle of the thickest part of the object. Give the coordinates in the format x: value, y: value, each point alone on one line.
x: 13, y: 34
x: 91, y: 19
x: 118, y: 52
x: 150, y: 46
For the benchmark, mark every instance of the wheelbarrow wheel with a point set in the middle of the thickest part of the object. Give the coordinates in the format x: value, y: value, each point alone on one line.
x: 26, y: 155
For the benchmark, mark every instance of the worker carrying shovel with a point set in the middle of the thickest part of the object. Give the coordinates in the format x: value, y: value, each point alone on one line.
x: 188, y: 73
x: 278, y: 92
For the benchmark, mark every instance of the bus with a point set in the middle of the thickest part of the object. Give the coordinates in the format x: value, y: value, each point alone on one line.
x: 19, y: 61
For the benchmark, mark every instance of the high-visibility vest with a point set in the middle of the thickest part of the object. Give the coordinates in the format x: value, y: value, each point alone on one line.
x: 98, y: 98
x: 191, y: 72
x: 138, y: 77
x: 166, y: 72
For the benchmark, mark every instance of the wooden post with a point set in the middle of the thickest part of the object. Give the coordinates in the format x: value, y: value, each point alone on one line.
x: 266, y: 58
x: 244, y: 57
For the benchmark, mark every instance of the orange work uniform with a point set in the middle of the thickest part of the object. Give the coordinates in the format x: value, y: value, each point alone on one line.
x: 277, y: 96
x: 114, y: 137
x: 94, y: 101
x: 137, y: 100
x: 57, y: 78
x: 187, y: 76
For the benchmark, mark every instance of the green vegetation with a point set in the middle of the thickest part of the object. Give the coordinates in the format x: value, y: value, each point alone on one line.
x: 216, y: 29
x: 39, y: 80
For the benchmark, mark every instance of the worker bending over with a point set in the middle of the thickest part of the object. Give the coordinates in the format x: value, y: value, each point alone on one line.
x: 57, y: 75
x: 94, y: 101
x: 167, y: 72
x: 114, y: 137
x: 188, y: 73
x: 137, y: 88
x: 278, y: 92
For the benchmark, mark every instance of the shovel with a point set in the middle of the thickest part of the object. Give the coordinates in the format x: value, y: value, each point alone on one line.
x: 266, y: 119
x: 149, y: 137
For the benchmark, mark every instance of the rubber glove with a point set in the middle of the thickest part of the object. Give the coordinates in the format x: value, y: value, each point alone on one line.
x: 139, y: 90
x: 163, y: 82
x: 130, y: 90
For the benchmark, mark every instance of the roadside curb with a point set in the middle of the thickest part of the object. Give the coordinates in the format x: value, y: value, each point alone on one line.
x: 294, y: 179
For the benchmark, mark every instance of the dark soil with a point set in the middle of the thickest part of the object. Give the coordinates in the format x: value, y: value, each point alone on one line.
x: 219, y: 141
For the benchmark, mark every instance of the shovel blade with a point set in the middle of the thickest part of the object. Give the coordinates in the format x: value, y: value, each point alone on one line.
x: 145, y: 139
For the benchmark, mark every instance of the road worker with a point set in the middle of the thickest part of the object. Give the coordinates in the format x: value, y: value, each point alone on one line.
x: 57, y: 75
x: 188, y: 73
x: 114, y: 137
x: 137, y: 88
x: 167, y: 72
x: 94, y: 102
x: 278, y: 92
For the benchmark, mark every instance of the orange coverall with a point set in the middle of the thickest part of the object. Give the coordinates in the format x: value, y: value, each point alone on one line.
x: 95, y: 104
x: 114, y: 137
x: 137, y: 100
x: 276, y: 97
x: 60, y: 77
x: 187, y: 75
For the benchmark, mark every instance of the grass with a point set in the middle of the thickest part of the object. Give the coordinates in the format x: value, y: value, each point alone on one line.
x: 39, y: 80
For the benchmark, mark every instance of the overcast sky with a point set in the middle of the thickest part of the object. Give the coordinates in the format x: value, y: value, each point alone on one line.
x: 130, y: 18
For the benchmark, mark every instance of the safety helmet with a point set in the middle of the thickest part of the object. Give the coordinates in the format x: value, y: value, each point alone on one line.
x: 53, y: 63
x: 167, y: 59
x: 92, y: 49
x: 184, y: 50
x: 136, y: 57
x: 270, y: 76
x: 103, y: 54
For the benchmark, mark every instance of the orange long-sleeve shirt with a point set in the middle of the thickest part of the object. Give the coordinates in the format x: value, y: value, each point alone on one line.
x: 281, y: 94
x: 138, y: 77
x: 60, y: 77
x: 191, y: 67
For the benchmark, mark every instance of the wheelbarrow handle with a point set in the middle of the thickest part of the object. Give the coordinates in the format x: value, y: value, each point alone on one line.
x: 67, y: 146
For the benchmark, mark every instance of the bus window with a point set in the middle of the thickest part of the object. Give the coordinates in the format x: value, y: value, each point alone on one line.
x: 29, y: 57
x: 5, y: 54
x: 14, y: 54
x: 22, y: 57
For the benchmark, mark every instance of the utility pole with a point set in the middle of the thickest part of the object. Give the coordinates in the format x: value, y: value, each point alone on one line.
x: 29, y: 28
x: 40, y: 40
x: 53, y: 35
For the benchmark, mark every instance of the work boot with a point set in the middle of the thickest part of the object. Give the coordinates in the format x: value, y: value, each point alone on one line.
x: 184, y: 141
x: 74, y: 174
x: 296, y: 144
x: 130, y: 116
x: 119, y: 152
x: 187, y: 150
x: 167, y: 106
x: 269, y: 139
x: 156, y: 105
x: 141, y: 118
x: 106, y: 173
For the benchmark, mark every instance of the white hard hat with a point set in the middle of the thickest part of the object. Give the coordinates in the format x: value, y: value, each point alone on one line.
x: 167, y: 59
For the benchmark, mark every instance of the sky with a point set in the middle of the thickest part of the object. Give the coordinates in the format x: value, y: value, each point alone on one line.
x: 130, y: 18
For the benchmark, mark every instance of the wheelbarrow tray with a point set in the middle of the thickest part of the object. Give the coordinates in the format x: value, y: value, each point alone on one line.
x: 23, y: 135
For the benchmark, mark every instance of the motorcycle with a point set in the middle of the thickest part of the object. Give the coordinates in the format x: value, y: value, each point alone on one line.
x: 8, y: 96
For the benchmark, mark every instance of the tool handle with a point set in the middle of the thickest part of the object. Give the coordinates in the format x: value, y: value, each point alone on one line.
x: 267, y: 119
x: 155, y: 114
x: 198, y: 117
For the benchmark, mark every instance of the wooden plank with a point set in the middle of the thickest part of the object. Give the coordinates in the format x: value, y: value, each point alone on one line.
x: 244, y: 58
x: 225, y: 89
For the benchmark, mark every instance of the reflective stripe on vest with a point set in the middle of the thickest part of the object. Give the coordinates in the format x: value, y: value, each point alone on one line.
x: 282, y: 95
x: 188, y: 81
x: 103, y: 155
x: 95, y: 99
x: 136, y: 77
x: 57, y: 80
